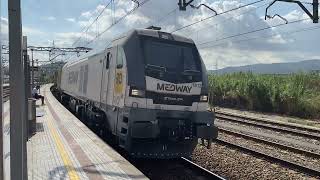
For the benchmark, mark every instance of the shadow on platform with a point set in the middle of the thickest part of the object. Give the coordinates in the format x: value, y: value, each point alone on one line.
x: 61, y: 172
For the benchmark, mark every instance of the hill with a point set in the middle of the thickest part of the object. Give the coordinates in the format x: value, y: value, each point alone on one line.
x: 274, y: 68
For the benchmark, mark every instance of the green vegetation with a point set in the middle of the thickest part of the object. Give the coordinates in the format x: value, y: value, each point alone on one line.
x: 47, y: 72
x: 294, y: 94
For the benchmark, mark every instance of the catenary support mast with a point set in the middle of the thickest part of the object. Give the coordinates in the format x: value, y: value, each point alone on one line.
x: 17, y: 94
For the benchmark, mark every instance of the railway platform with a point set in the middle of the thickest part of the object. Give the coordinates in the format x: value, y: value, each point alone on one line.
x: 64, y: 148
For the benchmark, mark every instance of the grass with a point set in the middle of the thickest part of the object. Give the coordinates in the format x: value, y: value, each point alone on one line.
x: 294, y: 94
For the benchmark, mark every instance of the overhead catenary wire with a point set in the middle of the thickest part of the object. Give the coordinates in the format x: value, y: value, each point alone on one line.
x: 205, y: 19
x: 118, y: 20
x: 262, y: 37
x: 100, y: 14
x: 305, y: 2
x: 174, y: 10
x: 253, y: 31
x: 140, y: 4
x: 86, y: 29
x: 231, y: 17
x: 91, y: 17
x: 162, y: 18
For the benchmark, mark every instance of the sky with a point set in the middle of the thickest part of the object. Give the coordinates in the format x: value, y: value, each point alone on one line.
x: 63, y: 22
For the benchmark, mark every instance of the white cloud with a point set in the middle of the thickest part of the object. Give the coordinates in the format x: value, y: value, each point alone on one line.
x: 70, y: 19
x: 4, y: 20
x: 4, y: 29
x: 31, y: 31
x: 105, y: 21
x: 66, y: 39
x: 296, y: 15
x: 50, y: 18
x: 268, y: 46
x: 277, y: 39
x: 86, y: 14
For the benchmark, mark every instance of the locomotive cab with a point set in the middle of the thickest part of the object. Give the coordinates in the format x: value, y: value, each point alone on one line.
x: 165, y: 100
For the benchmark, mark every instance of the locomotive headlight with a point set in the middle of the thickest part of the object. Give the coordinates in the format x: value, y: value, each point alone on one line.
x: 203, y: 98
x: 137, y: 93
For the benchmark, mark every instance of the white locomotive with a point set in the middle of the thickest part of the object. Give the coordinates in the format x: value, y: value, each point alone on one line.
x: 149, y: 91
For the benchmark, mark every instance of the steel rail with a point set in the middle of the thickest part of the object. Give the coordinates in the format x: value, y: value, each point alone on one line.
x: 272, y: 159
x: 272, y: 143
x: 265, y: 126
x: 200, y: 170
x: 256, y: 119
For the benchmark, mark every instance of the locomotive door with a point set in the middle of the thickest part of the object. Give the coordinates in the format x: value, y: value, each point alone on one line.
x: 119, y: 84
x: 120, y: 78
x: 105, y: 79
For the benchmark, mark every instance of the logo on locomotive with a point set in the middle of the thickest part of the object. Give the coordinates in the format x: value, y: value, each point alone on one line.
x: 174, y: 87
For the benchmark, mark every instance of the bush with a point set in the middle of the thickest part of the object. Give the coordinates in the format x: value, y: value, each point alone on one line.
x: 294, y: 94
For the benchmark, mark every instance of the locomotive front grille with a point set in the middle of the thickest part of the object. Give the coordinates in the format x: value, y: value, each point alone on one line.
x: 175, y: 129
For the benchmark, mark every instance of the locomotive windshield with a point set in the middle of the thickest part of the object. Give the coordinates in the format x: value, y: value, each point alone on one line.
x: 164, y: 57
x: 172, y: 57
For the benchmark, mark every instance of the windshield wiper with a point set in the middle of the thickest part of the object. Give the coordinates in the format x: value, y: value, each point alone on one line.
x: 155, y: 67
x: 190, y: 71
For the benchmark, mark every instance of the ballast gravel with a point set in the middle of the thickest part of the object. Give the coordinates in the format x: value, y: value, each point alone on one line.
x: 285, y: 154
x: 280, y: 137
x: 234, y: 164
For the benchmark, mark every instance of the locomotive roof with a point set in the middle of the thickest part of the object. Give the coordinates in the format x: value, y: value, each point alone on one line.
x: 123, y: 38
x: 148, y: 32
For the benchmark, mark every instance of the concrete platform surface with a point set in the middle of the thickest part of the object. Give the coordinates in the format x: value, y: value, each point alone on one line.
x: 64, y: 148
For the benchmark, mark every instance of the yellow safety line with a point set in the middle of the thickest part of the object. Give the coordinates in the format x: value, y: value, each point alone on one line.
x: 62, y: 151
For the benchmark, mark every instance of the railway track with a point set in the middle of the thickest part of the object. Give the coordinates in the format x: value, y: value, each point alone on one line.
x: 247, y: 142
x: 200, y: 170
x: 174, y: 169
x: 286, y: 128
x: 271, y: 143
x: 159, y: 169
x: 273, y: 159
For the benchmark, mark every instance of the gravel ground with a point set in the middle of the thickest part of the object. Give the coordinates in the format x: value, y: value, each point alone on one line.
x: 287, y: 139
x: 272, y: 150
x: 234, y: 164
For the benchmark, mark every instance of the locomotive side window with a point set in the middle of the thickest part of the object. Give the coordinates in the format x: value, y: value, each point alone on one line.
x: 120, y: 57
x: 81, y: 79
x: 85, y: 79
x: 109, y: 56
